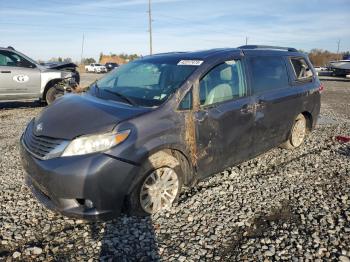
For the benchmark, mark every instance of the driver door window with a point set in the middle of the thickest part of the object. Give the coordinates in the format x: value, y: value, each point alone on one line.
x: 222, y: 83
x: 5, y: 59
x: 11, y: 59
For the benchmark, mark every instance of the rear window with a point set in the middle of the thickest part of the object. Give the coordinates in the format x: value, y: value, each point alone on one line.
x: 301, y: 69
x: 268, y: 73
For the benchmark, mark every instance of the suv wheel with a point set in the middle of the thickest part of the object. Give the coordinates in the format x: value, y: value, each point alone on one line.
x: 297, y: 134
x: 52, y: 94
x: 159, y: 187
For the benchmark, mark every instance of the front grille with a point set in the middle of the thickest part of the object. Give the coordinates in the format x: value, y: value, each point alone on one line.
x: 42, y: 147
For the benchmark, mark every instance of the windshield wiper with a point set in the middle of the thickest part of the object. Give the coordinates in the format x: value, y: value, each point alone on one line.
x: 124, y: 97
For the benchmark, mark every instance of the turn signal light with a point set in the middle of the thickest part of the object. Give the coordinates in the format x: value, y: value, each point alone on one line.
x: 321, y: 88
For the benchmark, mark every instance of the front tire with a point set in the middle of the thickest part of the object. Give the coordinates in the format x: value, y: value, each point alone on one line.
x: 52, y: 94
x: 297, y: 134
x: 159, y: 186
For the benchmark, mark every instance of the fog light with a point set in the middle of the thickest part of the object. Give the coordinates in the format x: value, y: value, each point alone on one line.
x: 88, y: 203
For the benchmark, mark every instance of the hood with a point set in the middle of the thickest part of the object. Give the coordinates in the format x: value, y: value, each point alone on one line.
x: 60, y: 66
x: 75, y: 115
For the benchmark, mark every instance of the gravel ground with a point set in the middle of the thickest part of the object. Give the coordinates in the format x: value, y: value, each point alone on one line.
x: 283, y: 205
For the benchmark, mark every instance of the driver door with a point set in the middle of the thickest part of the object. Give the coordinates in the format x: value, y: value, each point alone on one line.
x: 225, y: 119
x: 19, y: 78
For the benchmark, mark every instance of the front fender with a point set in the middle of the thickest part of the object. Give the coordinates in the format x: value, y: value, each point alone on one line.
x: 48, y: 76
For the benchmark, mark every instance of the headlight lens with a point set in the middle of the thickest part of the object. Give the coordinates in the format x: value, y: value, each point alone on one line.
x: 94, y: 143
x: 65, y: 74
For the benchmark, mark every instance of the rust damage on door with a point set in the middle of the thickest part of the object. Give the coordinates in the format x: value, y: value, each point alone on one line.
x: 190, y: 127
x: 190, y: 137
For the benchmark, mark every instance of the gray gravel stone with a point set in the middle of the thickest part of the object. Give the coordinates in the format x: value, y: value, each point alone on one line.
x: 16, y: 255
x: 344, y: 259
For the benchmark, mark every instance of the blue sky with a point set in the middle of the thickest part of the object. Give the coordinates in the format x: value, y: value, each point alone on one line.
x: 44, y: 29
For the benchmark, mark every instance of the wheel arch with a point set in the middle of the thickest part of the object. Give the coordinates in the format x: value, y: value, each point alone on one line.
x: 188, y: 171
x: 50, y: 84
x: 309, y: 120
x: 179, y: 153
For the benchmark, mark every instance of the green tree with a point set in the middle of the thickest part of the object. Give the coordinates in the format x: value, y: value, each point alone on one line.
x: 67, y: 60
x: 87, y: 61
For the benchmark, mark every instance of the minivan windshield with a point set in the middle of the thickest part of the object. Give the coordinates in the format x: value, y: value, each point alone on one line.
x: 144, y: 82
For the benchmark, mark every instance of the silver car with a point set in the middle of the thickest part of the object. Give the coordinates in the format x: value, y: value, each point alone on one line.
x: 23, y: 78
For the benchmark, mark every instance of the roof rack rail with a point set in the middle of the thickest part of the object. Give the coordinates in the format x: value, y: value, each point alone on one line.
x: 289, y: 49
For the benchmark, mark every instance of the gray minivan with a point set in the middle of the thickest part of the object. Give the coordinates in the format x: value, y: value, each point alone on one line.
x: 154, y: 125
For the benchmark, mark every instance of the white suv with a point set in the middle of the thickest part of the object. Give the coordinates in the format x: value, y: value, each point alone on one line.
x: 23, y: 78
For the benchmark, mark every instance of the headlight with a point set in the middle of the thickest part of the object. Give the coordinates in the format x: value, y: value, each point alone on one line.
x: 65, y: 74
x: 94, y: 143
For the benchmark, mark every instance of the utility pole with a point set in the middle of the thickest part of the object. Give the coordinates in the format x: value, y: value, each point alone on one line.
x: 82, y: 49
x: 338, y: 46
x: 150, y: 26
x: 246, y: 40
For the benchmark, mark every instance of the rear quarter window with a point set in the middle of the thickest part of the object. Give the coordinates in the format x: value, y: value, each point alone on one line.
x: 302, y: 70
x: 268, y: 73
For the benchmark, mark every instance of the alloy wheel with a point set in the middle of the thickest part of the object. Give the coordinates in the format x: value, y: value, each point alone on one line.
x: 298, y: 132
x: 159, y: 190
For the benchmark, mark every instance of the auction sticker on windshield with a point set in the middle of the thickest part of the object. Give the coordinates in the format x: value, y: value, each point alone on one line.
x: 190, y: 62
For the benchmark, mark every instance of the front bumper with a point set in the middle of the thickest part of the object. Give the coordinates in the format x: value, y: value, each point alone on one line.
x: 65, y: 184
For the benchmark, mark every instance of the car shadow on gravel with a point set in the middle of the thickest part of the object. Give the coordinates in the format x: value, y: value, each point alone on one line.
x: 259, y: 227
x: 21, y: 104
x: 127, y: 238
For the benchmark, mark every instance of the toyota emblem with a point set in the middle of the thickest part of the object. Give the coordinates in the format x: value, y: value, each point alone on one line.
x: 39, y: 127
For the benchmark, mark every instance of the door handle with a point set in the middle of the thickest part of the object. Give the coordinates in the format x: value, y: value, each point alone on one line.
x: 261, y: 104
x: 6, y: 72
x: 201, y: 116
x: 248, y: 108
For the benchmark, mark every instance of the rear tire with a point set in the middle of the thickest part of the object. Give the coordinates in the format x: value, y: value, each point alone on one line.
x: 52, y: 94
x: 159, y: 186
x: 297, y: 134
